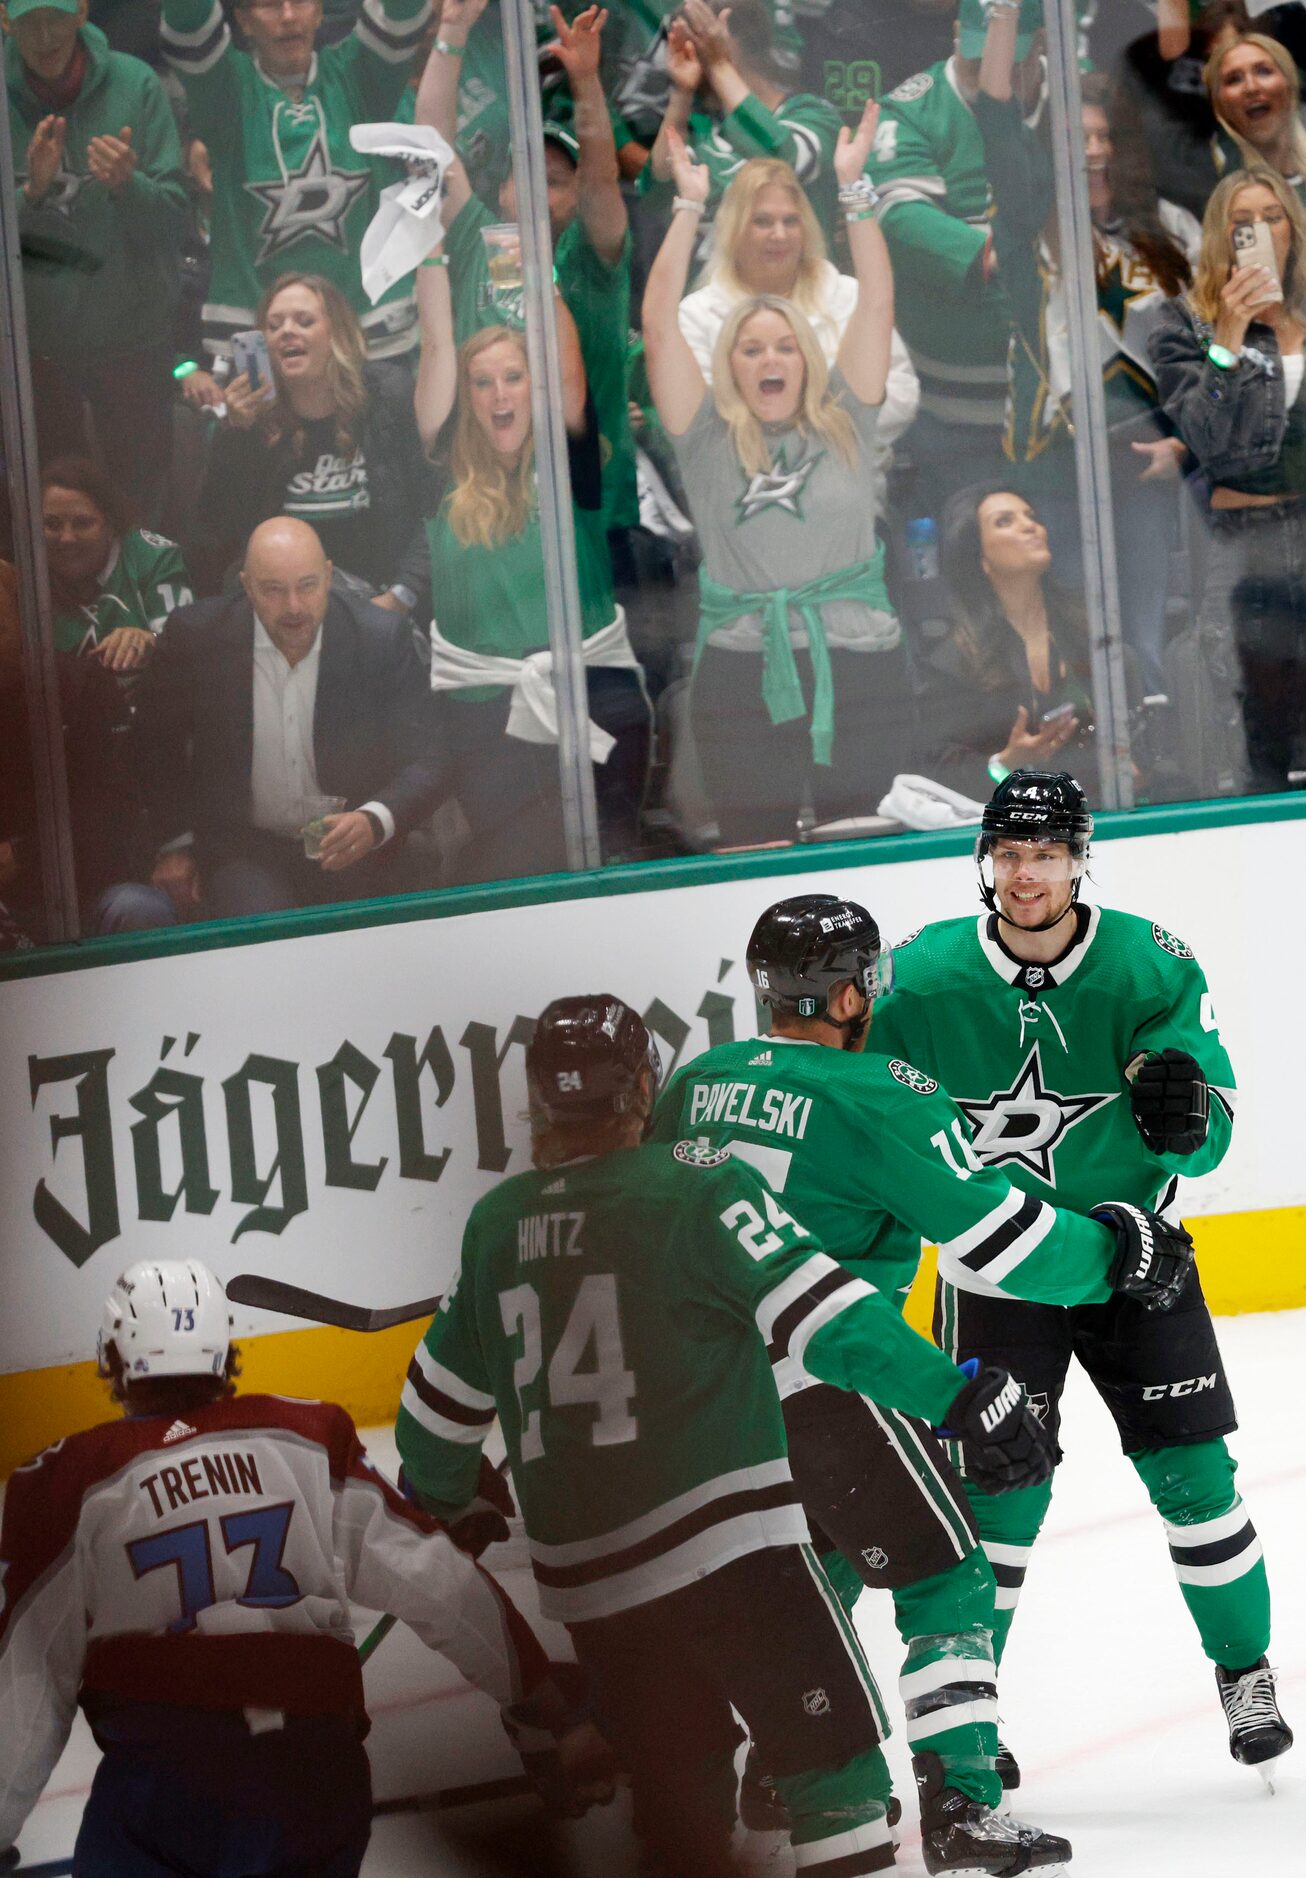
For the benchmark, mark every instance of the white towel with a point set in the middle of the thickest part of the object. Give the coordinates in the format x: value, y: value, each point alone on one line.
x: 407, y: 223
x: 918, y: 802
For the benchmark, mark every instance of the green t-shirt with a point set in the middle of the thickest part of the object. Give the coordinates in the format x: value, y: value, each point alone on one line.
x: 874, y: 1156
x: 145, y: 580
x: 1036, y: 1055
x: 598, y: 298
x: 621, y: 1315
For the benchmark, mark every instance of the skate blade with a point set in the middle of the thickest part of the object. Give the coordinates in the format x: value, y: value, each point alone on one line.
x: 1060, y: 1870
x: 1266, y: 1771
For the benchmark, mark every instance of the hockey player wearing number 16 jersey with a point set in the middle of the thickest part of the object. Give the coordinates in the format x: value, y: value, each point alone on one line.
x: 1082, y: 1045
x: 608, y: 1309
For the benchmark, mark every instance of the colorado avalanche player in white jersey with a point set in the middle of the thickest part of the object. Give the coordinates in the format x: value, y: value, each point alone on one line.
x: 185, y: 1574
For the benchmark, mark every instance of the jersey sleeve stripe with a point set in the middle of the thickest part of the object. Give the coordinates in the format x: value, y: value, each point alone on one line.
x: 807, y: 151
x: 769, y: 1474
x: 814, y: 1269
x: 791, y: 1320
x: 391, y: 40
x: 429, y: 1415
x: 1010, y: 1204
x: 195, y: 53
x: 902, y: 189
x: 824, y: 1311
x: 997, y: 1265
x: 449, y: 1384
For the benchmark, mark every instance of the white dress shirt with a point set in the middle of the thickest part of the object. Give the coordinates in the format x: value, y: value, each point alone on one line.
x: 283, y: 773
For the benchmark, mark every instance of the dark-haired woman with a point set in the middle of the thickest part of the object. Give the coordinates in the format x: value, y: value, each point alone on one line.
x: 111, y: 585
x: 1009, y: 688
x: 332, y: 440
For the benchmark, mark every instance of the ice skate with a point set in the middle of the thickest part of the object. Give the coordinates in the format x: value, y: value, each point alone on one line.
x: 1007, y: 1767
x: 965, y: 1839
x: 1258, y: 1734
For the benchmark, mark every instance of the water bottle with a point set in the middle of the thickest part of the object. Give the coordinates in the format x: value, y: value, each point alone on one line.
x: 923, y: 547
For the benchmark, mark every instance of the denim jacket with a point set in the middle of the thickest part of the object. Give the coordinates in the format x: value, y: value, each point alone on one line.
x: 1233, y: 421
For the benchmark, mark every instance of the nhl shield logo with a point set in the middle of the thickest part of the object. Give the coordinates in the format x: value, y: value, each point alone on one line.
x: 1168, y: 942
x: 912, y: 88
x: 816, y: 1702
x: 912, y: 1078
x: 875, y: 1558
x: 700, y: 1154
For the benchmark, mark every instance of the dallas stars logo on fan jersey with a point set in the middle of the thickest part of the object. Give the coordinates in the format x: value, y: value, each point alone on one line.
x: 1025, y: 1123
x: 778, y: 488
x: 311, y: 200
x: 64, y: 188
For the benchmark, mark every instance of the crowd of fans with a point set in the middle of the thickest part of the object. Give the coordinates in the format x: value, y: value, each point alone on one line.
x: 812, y: 322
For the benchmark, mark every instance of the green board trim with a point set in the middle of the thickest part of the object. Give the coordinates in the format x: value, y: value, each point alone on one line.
x: 643, y: 877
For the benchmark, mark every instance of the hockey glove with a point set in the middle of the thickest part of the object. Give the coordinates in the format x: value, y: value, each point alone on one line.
x: 1004, y: 1446
x: 1169, y: 1097
x: 565, y: 1757
x: 1152, y: 1260
x: 482, y: 1522
x: 8, y: 1858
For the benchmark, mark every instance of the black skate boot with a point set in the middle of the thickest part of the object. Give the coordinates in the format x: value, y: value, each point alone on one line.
x: 965, y: 1839
x: 762, y: 1810
x: 1007, y: 1767
x: 1257, y: 1731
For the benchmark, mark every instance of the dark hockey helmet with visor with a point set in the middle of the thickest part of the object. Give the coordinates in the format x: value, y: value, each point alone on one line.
x: 585, y: 1061
x: 802, y: 949
x: 1040, y: 806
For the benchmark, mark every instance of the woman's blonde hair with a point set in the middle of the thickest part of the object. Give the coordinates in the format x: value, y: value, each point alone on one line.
x: 344, y: 368
x: 1215, y: 259
x: 819, y: 413
x: 1281, y: 56
x: 733, y: 216
x: 492, y: 500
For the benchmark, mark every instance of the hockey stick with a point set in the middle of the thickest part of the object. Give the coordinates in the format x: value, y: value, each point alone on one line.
x: 271, y: 1294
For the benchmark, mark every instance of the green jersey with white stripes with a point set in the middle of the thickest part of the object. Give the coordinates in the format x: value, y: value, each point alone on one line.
x: 873, y: 1156
x: 145, y: 580
x: 609, y: 1311
x: 1036, y: 1054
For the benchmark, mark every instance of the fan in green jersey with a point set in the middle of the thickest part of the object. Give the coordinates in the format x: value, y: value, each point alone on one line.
x: 873, y: 1155
x: 1083, y: 1048
x: 620, y: 1308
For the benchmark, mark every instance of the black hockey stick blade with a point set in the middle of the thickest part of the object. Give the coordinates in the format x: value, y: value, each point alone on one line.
x: 271, y: 1294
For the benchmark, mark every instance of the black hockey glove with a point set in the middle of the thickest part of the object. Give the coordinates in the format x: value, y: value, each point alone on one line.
x: 482, y: 1522
x: 1153, y: 1259
x: 8, y: 1858
x: 1004, y: 1446
x: 1169, y: 1096
x: 565, y: 1757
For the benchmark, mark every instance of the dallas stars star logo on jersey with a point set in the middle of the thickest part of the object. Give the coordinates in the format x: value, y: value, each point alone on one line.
x: 778, y: 488
x: 61, y: 196
x: 313, y: 200
x: 1024, y: 1124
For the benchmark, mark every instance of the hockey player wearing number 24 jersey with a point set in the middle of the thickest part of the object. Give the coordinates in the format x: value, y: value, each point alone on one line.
x: 607, y: 1308
x: 185, y: 1574
x: 1082, y: 1045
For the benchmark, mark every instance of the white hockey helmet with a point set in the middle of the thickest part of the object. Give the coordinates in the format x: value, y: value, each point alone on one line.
x: 166, y: 1317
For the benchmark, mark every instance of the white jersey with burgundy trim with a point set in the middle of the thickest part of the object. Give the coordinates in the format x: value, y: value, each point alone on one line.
x: 210, y: 1560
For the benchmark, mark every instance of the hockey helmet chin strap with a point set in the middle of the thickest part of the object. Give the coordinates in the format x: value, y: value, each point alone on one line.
x: 853, y: 1029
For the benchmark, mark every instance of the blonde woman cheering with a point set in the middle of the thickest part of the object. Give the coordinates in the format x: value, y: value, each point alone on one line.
x: 800, y: 696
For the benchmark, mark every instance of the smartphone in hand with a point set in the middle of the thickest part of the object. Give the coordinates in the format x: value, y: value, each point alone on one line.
x: 1253, y: 246
x: 249, y: 351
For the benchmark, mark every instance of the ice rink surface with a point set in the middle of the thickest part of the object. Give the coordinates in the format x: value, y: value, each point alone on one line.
x: 1106, y: 1697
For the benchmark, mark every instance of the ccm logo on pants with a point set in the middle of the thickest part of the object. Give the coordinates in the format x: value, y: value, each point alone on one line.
x: 1194, y: 1385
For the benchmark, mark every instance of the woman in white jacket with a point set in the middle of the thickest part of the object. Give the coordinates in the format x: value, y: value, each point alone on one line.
x: 766, y: 240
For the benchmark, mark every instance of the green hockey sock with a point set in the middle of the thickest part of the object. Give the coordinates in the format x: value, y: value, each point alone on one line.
x: 838, y: 1816
x: 1216, y: 1553
x: 948, y: 1682
x: 1008, y: 1526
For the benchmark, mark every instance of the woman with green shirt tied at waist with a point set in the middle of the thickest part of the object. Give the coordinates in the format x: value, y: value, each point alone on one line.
x: 800, y: 693
x: 490, y: 660
x: 1228, y: 359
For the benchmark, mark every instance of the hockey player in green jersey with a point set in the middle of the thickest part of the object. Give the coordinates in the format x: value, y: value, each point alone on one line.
x: 289, y: 190
x: 1082, y: 1045
x: 873, y: 1155
x: 608, y: 1308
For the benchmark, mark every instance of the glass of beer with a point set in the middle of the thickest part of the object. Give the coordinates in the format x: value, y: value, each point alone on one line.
x: 316, y: 809
x: 503, y: 256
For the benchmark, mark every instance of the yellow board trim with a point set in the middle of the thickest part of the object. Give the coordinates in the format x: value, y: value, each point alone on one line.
x: 1249, y: 1262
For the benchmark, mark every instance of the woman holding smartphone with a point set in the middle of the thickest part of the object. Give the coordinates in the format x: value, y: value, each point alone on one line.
x: 1229, y: 367
x: 1008, y: 689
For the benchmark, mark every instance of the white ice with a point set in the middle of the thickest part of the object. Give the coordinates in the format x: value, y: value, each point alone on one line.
x: 1106, y: 1696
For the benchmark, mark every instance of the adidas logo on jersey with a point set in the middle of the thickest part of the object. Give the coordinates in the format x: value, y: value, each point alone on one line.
x: 763, y: 1061
x: 555, y: 1186
x: 178, y: 1432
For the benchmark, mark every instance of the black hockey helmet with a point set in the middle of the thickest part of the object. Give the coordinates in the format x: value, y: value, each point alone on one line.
x: 585, y: 1060
x: 1035, y: 805
x: 802, y: 948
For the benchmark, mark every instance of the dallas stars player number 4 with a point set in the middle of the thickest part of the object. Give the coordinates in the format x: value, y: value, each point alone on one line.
x: 1083, y: 1047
